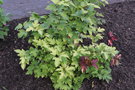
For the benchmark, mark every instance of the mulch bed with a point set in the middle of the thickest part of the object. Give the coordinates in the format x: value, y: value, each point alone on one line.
x: 120, y: 19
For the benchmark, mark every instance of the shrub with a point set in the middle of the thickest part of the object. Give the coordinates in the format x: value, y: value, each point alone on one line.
x: 3, y: 21
x: 56, y: 49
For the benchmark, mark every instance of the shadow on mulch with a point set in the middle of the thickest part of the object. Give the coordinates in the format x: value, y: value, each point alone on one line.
x: 120, y: 19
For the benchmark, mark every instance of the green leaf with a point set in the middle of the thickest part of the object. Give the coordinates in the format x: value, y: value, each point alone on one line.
x: 55, y: 1
x: 1, y: 1
x: 51, y: 7
x: 106, y: 55
x: 64, y: 15
x: 101, y: 29
x: 94, y: 5
x: 36, y: 23
x: 30, y: 70
x: 19, y: 26
x: 57, y: 62
x: 22, y: 34
x: 30, y: 29
x: 34, y: 16
x: 80, y: 12
x: 2, y: 34
x: 23, y: 64
x: 40, y: 32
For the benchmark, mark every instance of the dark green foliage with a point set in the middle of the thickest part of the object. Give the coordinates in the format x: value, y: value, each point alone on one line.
x: 3, y: 21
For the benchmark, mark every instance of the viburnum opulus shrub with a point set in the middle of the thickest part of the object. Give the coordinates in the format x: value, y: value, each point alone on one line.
x: 56, y: 49
x: 3, y: 21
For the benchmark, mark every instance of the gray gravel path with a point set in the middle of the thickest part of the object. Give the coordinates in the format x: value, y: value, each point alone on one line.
x: 22, y: 8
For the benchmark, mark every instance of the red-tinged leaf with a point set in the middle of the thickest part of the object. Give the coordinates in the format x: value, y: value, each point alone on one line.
x: 94, y: 63
x: 82, y: 58
x: 85, y: 59
x: 118, y: 56
x: 110, y: 42
x: 4, y: 24
x: 115, y: 60
x: 83, y: 68
x: 112, y: 36
x: 69, y: 37
x: 84, y: 63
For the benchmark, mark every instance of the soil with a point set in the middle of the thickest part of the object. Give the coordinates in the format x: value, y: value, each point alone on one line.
x: 120, y: 19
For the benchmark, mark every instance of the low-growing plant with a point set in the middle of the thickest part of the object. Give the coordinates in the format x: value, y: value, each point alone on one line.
x: 56, y: 49
x: 3, y: 20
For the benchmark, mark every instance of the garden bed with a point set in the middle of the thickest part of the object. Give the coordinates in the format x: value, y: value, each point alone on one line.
x: 119, y: 19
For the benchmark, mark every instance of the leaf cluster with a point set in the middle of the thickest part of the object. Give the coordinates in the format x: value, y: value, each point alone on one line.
x: 56, y: 47
x: 3, y: 21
